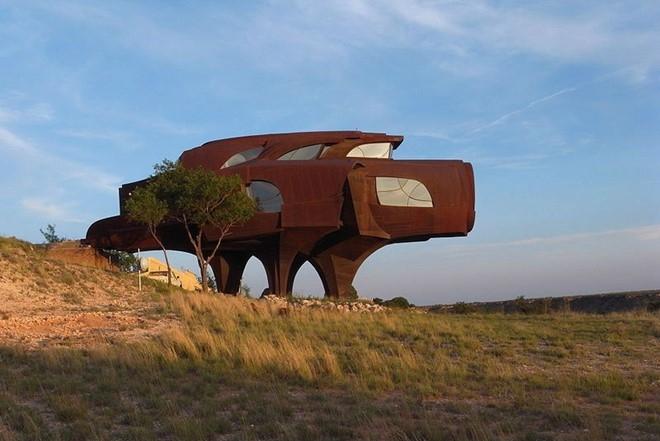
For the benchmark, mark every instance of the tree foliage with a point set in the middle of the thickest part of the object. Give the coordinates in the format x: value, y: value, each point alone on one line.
x: 352, y: 293
x: 210, y: 280
x: 146, y: 207
x: 201, y: 200
x: 126, y: 262
x: 50, y: 235
x: 245, y: 289
x: 199, y: 197
x: 397, y: 302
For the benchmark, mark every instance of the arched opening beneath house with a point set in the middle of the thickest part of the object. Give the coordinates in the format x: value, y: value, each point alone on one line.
x: 369, y: 282
x: 307, y: 282
x: 184, y: 267
x: 254, y: 280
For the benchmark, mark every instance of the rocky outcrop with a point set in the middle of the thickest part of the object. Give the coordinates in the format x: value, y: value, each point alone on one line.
x: 355, y: 306
x: 73, y: 251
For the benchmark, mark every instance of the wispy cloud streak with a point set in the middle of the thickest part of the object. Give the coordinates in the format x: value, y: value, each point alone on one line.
x: 64, y: 169
x: 503, y: 118
x: 51, y: 210
x: 642, y: 233
x: 314, y: 31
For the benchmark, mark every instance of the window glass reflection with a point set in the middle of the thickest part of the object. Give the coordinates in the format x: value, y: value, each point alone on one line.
x: 266, y: 195
x: 376, y: 150
x: 402, y: 192
x: 303, y: 153
x: 242, y: 157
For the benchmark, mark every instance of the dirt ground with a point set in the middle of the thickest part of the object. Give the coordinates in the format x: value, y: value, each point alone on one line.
x: 45, y: 302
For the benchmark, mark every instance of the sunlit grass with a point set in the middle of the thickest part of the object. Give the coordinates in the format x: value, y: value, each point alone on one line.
x: 232, y: 368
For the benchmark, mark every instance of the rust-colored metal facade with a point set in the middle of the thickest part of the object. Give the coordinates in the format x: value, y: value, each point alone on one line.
x: 333, y: 209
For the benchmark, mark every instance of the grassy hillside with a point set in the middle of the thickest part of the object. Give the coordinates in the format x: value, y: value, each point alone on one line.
x: 174, y: 365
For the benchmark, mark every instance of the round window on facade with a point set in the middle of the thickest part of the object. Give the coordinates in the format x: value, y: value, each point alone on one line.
x: 266, y: 195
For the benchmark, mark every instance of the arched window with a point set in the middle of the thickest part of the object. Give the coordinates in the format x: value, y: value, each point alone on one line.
x: 303, y: 153
x: 402, y: 192
x: 376, y: 150
x: 244, y: 156
x: 266, y: 195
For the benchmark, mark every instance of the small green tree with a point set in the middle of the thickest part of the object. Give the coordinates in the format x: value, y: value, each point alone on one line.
x: 210, y: 280
x: 397, y: 302
x: 50, y: 235
x: 145, y: 207
x: 126, y: 262
x: 201, y: 200
x: 352, y: 293
x: 245, y: 289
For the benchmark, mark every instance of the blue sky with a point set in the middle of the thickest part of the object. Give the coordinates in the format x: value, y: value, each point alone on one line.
x: 556, y: 105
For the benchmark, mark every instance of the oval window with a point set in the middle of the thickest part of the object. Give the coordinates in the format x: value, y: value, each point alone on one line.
x: 376, y: 150
x: 303, y: 153
x: 244, y: 156
x: 402, y: 192
x: 266, y: 195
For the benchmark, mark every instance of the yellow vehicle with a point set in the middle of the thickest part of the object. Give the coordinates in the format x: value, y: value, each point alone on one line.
x: 157, y: 270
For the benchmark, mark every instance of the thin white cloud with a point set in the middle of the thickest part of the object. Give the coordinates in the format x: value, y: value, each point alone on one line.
x: 29, y: 113
x: 57, y: 167
x: 651, y: 232
x: 168, y: 127
x: 10, y: 142
x: 503, y: 118
x: 604, y: 35
x: 101, y: 135
x: 513, y: 162
x: 647, y: 232
x: 50, y: 210
x: 442, y: 136
x: 314, y: 32
x: 642, y: 233
x: 39, y: 112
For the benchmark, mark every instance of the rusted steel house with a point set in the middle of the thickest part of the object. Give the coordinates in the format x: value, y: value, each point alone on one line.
x: 329, y: 198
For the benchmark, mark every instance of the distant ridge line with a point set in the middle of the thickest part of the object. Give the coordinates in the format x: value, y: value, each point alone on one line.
x: 627, y: 301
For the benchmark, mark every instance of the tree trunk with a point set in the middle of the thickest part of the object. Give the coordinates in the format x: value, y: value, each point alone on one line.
x: 205, y: 276
x: 169, y: 270
x: 199, y: 252
x: 196, y: 242
x: 167, y: 261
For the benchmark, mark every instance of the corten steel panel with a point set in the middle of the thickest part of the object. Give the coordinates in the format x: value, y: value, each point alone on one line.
x: 330, y: 214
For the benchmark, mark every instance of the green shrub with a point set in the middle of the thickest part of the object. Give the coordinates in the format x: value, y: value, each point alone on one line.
x: 541, y: 306
x: 397, y: 302
x: 126, y: 262
x: 50, y: 235
x: 463, y: 308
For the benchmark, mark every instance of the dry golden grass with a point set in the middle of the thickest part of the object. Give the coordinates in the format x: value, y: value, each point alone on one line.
x: 236, y: 369
x: 429, y: 354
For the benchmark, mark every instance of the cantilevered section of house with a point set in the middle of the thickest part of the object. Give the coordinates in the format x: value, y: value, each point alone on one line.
x: 329, y: 198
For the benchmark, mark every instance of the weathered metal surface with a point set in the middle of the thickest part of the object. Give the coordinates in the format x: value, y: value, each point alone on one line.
x: 331, y: 215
